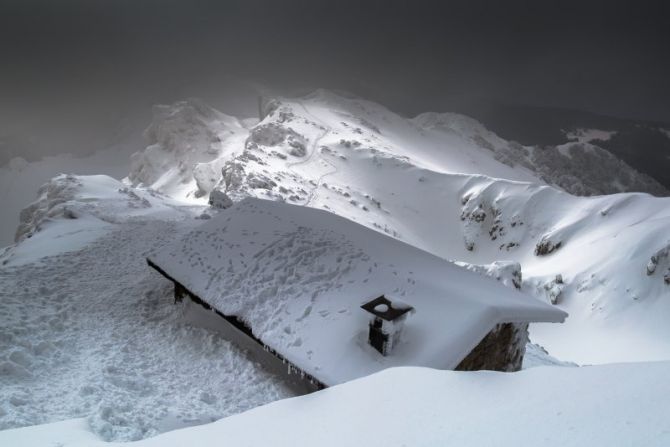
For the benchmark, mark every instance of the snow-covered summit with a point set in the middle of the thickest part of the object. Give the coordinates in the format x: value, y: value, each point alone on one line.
x: 297, y: 277
x: 188, y: 144
x: 299, y: 142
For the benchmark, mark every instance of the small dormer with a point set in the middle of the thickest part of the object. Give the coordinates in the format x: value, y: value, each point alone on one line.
x: 386, y: 323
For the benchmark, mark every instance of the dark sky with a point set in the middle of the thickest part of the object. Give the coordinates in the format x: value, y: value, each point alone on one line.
x: 70, y: 62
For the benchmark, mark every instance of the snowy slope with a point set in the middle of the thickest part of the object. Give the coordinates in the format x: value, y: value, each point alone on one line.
x: 590, y: 256
x: 298, y: 276
x: 613, y: 405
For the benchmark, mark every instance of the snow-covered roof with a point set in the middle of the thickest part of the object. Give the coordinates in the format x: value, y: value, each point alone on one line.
x: 297, y: 277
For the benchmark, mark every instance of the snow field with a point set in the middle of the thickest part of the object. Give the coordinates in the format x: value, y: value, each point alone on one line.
x: 609, y: 405
x: 93, y: 333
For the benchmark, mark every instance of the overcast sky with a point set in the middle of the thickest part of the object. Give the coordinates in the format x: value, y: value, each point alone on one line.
x: 71, y: 61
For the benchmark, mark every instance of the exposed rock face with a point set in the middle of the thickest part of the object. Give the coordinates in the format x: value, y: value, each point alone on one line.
x: 507, y: 272
x: 482, y: 218
x: 274, y: 134
x: 501, y: 350
x: 546, y: 246
x: 52, y: 202
x: 660, y: 259
x: 504, y: 347
x: 66, y: 197
x: 219, y: 199
x: 188, y: 141
x: 554, y: 289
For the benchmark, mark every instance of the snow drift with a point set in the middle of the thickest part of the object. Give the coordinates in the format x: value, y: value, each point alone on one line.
x: 623, y: 404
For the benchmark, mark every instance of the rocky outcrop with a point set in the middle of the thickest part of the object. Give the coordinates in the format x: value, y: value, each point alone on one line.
x: 660, y: 260
x: 188, y: 142
x: 547, y: 246
x: 554, y: 289
x: 504, y: 346
x: 501, y: 350
x: 219, y: 199
x: 507, y: 272
x: 483, y: 218
x: 274, y: 134
x: 51, y: 203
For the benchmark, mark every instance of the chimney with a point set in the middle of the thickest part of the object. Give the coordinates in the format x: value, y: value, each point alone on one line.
x: 386, y: 322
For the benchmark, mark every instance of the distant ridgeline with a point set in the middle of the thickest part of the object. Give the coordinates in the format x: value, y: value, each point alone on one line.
x: 644, y: 145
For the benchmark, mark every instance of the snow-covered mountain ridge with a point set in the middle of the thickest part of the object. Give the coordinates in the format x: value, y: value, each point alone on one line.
x: 444, y: 183
x: 438, y: 182
x: 202, y: 138
x: 600, y: 258
x: 579, y: 168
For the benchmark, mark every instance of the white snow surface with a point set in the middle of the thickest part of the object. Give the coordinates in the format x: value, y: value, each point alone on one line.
x: 362, y: 162
x: 610, y: 405
x: 88, y: 330
x: 298, y: 276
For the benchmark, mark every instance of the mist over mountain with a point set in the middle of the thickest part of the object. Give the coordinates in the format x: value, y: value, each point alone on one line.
x: 74, y: 70
x: 645, y: 145
x: 311, y: 222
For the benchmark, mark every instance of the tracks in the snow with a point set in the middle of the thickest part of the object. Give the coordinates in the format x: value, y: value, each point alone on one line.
x: 315, y: 148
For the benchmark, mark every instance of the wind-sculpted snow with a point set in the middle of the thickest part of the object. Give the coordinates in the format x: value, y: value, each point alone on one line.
x: 81, y: 205
x: 20, y: 180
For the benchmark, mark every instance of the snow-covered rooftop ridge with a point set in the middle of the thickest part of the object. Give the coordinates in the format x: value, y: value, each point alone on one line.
x: 297, y: 277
